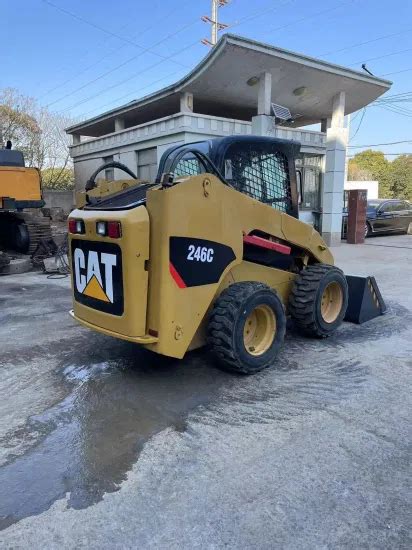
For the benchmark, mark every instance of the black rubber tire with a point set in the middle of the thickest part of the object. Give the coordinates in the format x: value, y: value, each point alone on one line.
x: 306, y: 295
x: 227, y: 321
x: 368, y: 230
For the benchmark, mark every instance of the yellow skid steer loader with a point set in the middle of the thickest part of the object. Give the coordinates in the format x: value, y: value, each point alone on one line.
x: 211, y: 253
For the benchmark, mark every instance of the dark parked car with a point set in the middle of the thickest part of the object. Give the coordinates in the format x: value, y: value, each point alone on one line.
x: 384, y: 216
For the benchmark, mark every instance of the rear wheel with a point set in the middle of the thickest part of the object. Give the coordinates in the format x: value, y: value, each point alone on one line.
x: 318, y: 300
x: 368, y: 230
x: 247, y: 327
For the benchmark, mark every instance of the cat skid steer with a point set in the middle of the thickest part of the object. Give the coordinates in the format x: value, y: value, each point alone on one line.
x: 210, y: 253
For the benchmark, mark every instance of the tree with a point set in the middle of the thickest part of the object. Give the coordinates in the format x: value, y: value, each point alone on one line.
x: 17, y: 120
x: 58, y: 178
x: 375, y: 165
x: 401, y: 177
x: 38, y: 133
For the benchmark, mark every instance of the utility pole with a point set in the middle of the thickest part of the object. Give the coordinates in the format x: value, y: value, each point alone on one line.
x: 214, y: 22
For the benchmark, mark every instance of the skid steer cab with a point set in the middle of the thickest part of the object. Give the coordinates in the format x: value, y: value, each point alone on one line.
x: 212, y: 253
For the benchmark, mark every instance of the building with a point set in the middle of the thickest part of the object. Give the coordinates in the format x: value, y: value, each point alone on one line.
x: 372, y: 187
x: 231, y: 91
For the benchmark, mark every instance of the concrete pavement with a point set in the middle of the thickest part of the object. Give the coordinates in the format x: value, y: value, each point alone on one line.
x: 103, y: 447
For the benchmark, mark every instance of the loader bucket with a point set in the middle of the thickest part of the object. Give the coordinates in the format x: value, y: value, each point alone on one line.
x: 365, y: 300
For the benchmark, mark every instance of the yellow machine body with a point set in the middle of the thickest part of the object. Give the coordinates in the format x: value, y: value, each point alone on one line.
x: 158, y: 310
x: 104, y: 188
x: 20, y: 184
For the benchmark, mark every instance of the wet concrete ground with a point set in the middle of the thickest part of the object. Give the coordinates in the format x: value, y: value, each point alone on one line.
x: 102, y: 445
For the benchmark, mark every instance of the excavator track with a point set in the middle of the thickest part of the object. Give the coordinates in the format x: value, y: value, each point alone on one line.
x: 38, y: 228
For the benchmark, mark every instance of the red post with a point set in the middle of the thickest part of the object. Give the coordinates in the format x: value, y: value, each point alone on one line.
x: 357, y: 203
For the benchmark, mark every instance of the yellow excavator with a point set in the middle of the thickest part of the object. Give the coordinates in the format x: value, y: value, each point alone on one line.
x: 212, y: 252
x: 20, y: 193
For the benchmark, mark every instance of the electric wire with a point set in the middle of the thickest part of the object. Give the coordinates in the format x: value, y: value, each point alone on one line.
x: 380, y: 144
x: 359, y: 125
x: 123, y: 64
x: 109, y: 54
x: 93, y: 96
x: 379, y: 57
x: 366, y: 42
x: 102, y: 29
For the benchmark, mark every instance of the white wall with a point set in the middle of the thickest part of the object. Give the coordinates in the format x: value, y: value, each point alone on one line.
x: 372, y: 187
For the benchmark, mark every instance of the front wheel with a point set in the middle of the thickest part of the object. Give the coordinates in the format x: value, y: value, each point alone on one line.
x: 247, y: 327
x: 368, y: 230
x: 318, y: 300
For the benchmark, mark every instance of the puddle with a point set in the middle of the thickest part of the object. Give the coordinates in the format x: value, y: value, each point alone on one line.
x: 86, y: 444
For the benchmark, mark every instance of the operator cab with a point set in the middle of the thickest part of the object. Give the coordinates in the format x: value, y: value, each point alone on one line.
x: 261, y: 167
x: 11, y: 157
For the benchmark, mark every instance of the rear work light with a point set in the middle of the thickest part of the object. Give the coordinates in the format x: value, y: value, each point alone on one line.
x: 109, y: 229
x: 76, y: 226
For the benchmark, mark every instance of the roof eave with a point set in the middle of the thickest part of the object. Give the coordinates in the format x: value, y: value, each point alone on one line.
x: 215, y: 52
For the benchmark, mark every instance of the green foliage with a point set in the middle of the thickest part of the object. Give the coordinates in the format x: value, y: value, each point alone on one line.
x: 58, y: 178
x: 395, y: 178
x: 401, y: 177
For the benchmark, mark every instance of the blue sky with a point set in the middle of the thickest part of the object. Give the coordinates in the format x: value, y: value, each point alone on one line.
x: 79, y: 68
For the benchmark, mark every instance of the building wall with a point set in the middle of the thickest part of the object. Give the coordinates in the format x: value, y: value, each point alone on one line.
x: 59, y: 199
x: 125, y: 145
x: 372, y: 187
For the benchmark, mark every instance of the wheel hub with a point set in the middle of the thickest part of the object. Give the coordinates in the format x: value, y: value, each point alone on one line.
x: 259, y: 330
x: 331, y: 302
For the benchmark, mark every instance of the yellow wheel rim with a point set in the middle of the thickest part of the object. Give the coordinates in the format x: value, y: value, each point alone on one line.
x: 259, y: 330
x: 331, y: 303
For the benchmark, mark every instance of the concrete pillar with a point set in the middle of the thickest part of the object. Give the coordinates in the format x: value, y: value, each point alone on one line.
x: 336, y: 142
x: 263, y: 123
x: 325, y: 124
x: 119, y: 124
x: 186, y: 102
x: 76, y: 139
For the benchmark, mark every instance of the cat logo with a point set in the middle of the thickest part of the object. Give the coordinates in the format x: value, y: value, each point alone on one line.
x: 97, y: 275
x: 92, y: 284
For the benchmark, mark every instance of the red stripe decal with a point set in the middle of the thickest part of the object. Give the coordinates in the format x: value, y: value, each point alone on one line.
x: 179, y: 281
x: 265, y: 243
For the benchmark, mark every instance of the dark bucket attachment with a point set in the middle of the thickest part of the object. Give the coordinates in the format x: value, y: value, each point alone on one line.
x: 365, y: 300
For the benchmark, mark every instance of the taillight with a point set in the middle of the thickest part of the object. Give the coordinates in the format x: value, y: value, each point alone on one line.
x: 109, y: 229
x: 114, y: 230
x: 76, y: 226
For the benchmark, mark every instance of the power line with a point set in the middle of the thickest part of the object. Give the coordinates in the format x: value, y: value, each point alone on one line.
x: 366, y: 42
x: 379, y: 57
x: 296, y: 21
x: 359, y: 125
x: 240, y: 22
x: 385, y: 154
x: 380, y: 144
x: 397, y: 72
x: 83, y: 115
x: 93, y: 96
x: 102, y: 29
x: 257, y: 14
x: 86, y: 69
x: 394, y: 109
x: 124, y: 63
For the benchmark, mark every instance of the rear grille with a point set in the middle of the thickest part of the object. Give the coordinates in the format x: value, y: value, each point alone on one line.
x: 129, y: 198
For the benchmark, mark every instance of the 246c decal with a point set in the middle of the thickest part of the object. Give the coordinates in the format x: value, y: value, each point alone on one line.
x: 195, y: 262
x: 200, y: 253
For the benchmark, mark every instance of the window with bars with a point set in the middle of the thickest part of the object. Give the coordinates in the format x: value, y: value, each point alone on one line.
x: 189, y: 166
x: 260, y: 172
